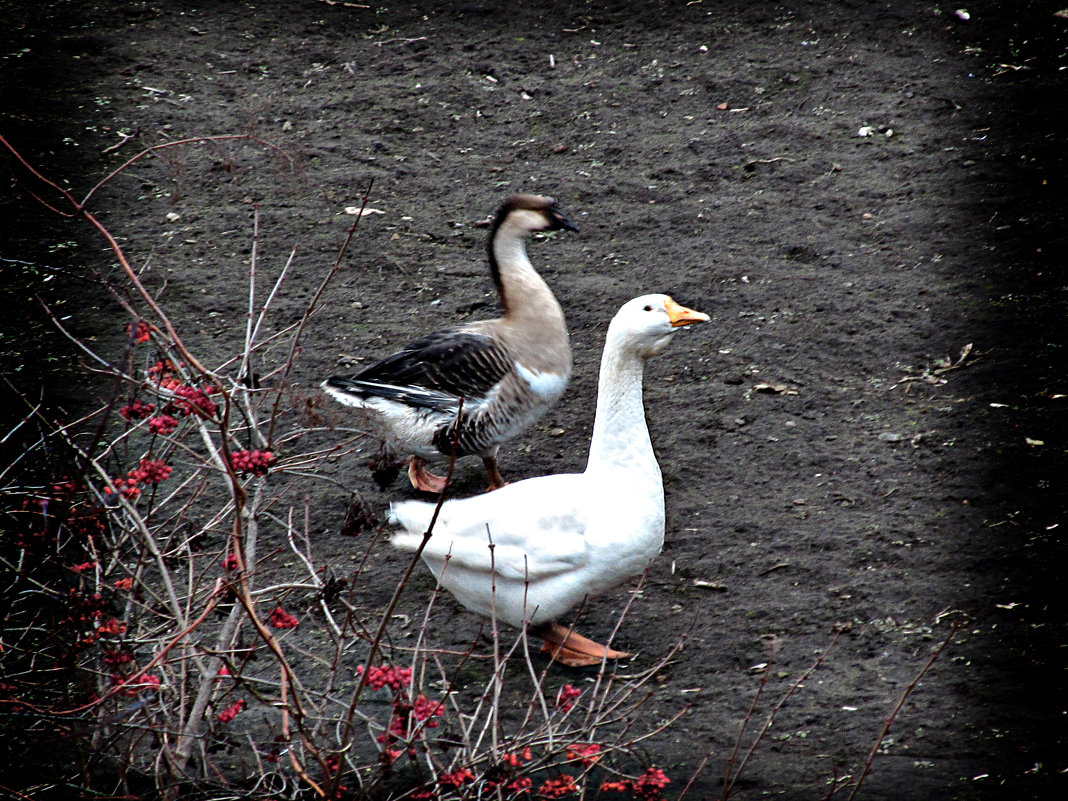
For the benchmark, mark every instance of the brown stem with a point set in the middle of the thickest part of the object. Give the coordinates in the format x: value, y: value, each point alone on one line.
x: 212, y: 600
x: 727, y: 783
x: 388, y: 614
x: 178, y: 143
x: 311, y: 308
x: 937, y: 652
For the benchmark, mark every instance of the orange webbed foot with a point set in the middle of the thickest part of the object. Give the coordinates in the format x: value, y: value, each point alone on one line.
x: 422, y: 479
x: 569, y: 648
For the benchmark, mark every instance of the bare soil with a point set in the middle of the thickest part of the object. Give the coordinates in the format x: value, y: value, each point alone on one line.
x: 869, y: 432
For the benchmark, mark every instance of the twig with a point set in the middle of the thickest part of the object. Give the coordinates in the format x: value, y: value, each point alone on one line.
x: 838, y: 630
x: 387, y: 615
x: 933, y: 374
x: 312, y: 304
x: 937, y: 652
x: 178, y: 638
x: 728, y: 780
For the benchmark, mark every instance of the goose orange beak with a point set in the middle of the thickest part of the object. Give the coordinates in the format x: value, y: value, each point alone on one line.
x: 680, y: 315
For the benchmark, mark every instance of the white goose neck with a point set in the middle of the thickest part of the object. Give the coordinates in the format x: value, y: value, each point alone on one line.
x: 620, y: 434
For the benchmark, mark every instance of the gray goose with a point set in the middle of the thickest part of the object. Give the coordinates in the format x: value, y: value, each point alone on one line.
x: 508, y: 371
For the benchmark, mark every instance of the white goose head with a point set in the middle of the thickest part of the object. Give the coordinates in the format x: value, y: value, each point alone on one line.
x: 644, y: 326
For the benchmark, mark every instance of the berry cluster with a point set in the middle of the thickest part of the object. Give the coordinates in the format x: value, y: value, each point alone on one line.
x: 405, y: 719
x: 517, y: 759
x: 566, y: 696
x: 386, y: 675
x: 558, y: 786
x: 189, y: 400
x: 162, y: 424
x: 586, y: 754
x: 512, y: 787
x: 409, y: 715
x: 85, y: 521
x: 137, y: 409
x: 116, y: 659
x: 258, y: 463
x: 163, y: 369
x: 519, y: 786
x: 141, y: 332
x: 281, y: 619
x: 457, y: 778
x: 135, y: 684
x: 84, y: 613
x: 230, y: 562
x: 194, y: 400
x: 126, y: 487
x: 425, y: 709
x: 647, y: 787
x: 151, y: 472
x: 649, y: 784
x: 231, y: 711
x: 148, y: 472
x: 111, y: 627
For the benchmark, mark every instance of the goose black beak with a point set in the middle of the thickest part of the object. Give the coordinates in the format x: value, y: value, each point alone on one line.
x: 560, y: 221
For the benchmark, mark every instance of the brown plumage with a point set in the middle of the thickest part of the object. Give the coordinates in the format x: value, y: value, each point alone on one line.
x: 508, y: 371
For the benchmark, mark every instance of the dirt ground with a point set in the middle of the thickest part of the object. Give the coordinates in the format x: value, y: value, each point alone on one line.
x: 869, y: 201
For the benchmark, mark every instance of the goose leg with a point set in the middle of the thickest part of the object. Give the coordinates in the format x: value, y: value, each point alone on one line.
x: 496, y: 480
x: 423, y: 479
x: 574, y: 650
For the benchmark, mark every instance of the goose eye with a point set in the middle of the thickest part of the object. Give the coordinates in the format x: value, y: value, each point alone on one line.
x: 647, y: 308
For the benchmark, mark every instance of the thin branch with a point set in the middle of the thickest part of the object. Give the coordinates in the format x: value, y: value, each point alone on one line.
x: 935, y: 653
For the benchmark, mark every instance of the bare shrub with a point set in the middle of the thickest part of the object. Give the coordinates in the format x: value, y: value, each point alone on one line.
x: 167, y: 570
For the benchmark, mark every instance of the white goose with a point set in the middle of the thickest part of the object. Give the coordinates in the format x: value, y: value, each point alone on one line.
x: 508, y: 371
x: 558, y: 539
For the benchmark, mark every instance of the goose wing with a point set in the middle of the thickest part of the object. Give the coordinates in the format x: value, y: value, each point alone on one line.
x: 433, y: 371
x: 537, y: 528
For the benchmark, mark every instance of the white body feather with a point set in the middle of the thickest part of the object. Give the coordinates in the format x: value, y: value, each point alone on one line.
x: 556, y: 540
